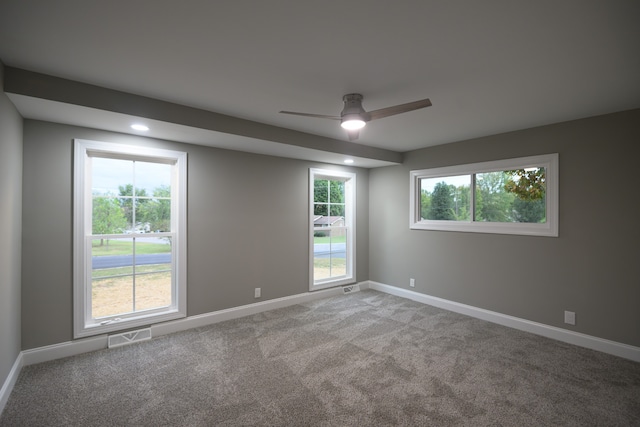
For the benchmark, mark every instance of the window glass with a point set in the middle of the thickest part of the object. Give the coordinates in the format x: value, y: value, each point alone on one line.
x: 446, y: 198
x: 107, y: 175
x: 151, y: 176
x: 153, y: 272
x: 108, y: 216
x: 511, y: 196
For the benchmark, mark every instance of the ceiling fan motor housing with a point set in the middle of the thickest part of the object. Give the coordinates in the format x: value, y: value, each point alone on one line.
x: 353, y: 108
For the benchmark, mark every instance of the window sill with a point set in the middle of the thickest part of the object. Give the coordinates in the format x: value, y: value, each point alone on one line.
x: 128, y: 323
x: 525, y: 229
x: 330, y: 283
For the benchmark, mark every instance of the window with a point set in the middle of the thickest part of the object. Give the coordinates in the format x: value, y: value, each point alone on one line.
x: 514, y: 196
x: 129, y: 236
x: 332, y: 228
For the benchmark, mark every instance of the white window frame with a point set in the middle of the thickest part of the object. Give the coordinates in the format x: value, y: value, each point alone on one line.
x: 548, y: 229
x: 349, y: 179
x: 84, y: 324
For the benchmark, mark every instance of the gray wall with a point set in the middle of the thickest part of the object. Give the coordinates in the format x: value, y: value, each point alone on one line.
x: 592, y: 268
x: 247, y: 227
x: 10, y: 224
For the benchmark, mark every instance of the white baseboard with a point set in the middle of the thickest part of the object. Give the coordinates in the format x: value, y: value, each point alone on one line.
x: 7, y: 387
x: 606, y: 346
x: 65, y: 349
x: 85, y: 345
x: 99, y: 342
x: 72, y: 348
x: 245, y: 310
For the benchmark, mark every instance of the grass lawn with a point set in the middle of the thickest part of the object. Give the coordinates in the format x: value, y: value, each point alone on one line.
x: 108, y: 272
x: 118, y: 247
x: 114, y: 295
x: 324, y: 268
x: 327, y: 239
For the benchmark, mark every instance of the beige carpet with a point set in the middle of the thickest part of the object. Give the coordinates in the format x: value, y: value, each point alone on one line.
x: 364, y: 359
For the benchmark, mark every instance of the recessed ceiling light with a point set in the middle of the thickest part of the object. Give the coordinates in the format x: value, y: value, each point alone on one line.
x: 140, y: 127
x: 348, y: 161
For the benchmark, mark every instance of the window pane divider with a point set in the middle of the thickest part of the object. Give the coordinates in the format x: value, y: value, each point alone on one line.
x: 131, y: 235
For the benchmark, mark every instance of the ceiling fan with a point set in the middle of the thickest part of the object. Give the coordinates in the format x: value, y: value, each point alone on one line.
x: 353, y: 117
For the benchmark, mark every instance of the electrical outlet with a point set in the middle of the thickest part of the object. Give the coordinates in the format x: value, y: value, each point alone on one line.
x: 257, y: 293
x: 412, y: 282
x: 570, y: 317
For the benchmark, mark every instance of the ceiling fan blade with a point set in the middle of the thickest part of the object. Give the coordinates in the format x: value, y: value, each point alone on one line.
x: 398, y: 109
x: 353, y: 134
x: 319, y: 116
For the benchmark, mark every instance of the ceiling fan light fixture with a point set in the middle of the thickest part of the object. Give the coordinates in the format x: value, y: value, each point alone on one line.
x: 352, y: 123
x: 353, y: 117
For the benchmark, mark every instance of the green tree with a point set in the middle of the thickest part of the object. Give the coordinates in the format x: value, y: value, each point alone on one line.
x: 527, y: 184
x: 157, y: 211
x: 529, y: 210
x: 425, y: 204
x: 328, y: 192
x: 442, y: 203
x: 127, y: 202
x: 108, y: 217
x: 493, y: 202
x: 461, y: 202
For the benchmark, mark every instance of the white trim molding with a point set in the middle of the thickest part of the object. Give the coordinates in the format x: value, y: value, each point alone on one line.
x: 245, y: 310
x: 7, y: 387
x: 99, y: 342
x: 64, y: 349
x: 583, y: 340
x: 86, y: 345
x: 85, y: 154
x: 349, y: 227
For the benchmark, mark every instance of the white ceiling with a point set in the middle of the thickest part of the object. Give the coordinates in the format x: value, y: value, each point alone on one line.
x: 487, y: 66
